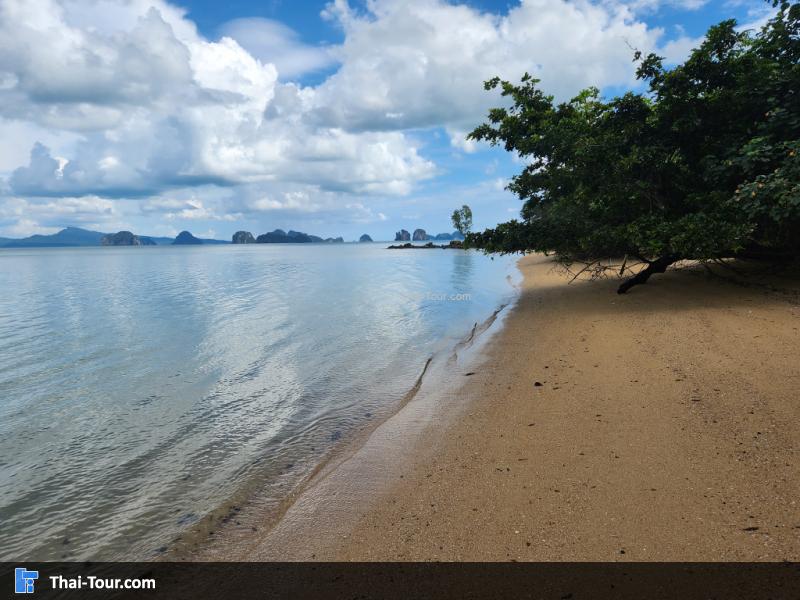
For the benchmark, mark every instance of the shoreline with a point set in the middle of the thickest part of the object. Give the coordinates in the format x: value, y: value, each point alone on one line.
x: 664, y: 428
x: 216, y: 538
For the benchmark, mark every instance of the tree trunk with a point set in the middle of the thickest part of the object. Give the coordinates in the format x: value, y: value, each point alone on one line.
x: 657, y: 266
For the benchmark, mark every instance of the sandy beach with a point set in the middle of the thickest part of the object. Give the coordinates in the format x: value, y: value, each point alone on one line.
x: 661, y: 425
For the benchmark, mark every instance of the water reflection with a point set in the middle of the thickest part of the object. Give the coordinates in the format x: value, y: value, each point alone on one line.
x: 139, y: 387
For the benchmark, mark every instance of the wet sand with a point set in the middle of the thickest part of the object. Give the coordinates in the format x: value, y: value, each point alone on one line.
x: 660, y: 425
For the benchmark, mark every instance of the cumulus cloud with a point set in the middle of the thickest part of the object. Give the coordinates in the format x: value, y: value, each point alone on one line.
x: 273, y: 42
x: 159, y: 106
x: 187, y: 209
x: 677, y: 50
x: 22, y: 217
x: 83, y: 78
x: 127, y: 102
x: 421, y: 63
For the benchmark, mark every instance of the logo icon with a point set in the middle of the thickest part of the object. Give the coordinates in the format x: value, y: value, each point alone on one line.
x: 23, y: 580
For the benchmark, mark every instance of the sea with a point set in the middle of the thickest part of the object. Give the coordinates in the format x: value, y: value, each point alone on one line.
x: 143, y: 387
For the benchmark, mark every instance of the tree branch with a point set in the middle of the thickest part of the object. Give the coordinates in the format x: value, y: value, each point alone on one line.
x: 657, y: 266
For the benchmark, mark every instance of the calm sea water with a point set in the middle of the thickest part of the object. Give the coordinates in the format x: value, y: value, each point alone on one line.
x: 141, y: 387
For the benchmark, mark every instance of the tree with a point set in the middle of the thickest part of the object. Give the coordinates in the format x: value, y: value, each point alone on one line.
x: 705, y: 165
x: 462, y: 219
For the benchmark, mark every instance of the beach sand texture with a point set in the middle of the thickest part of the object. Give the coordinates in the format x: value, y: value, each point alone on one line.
x: 666, y: 428
x: 663, y: 427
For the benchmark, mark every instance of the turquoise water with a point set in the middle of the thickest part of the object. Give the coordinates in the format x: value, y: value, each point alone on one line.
x: 141, y: 387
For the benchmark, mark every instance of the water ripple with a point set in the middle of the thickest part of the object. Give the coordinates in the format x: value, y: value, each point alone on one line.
x: 140, y: 388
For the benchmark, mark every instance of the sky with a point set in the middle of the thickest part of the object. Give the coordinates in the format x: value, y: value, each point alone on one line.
x: 334, y: 118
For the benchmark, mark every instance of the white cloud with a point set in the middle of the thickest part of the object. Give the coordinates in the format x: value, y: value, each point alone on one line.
x: 23, y: 227
x: 84, y: 75
x: 500, y: 184
x: 172, y: 109
x: 273, y: 42
x: 677, y: 50
x: 421, y: 63
x: 458, y: 139
x: 132, y: 106
x: 24, y: 135
x: 757, y: 16
x: 23, y: 217
x: 191, y: 209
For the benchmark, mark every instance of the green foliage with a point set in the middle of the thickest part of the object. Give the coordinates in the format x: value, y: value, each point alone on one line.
x: 462, y: 219
x: 704, y: 165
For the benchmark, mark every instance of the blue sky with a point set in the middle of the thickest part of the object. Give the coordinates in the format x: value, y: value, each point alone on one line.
x: 303, y: 17
x: 335, y: 118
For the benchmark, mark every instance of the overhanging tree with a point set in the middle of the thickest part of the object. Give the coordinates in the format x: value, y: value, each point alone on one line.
x: 705, y: 166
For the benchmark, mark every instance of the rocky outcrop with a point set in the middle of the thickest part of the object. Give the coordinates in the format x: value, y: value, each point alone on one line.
x: 402, y: 236
x: 449, y: 236
x: 294, y: 237
x: 125, y: 238
x: 314, y: 238
x: 365, y: 238
x: 185, y: 238
x: 419, y: 235
x: 279, y: 236
x: 243, y: 237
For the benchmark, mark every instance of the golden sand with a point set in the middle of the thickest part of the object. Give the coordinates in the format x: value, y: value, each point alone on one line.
x: 665, y: 427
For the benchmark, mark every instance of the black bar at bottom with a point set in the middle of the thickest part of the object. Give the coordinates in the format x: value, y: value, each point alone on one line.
x: 323, y: 581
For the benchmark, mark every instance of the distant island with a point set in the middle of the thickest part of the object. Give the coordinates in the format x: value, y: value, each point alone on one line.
x: 125, y: 238
x: 243, y: 237
x: 77, y: 237
x: 73, y: 237
x: 279, y: 236
x: 185, y: 238
x: 420, y: 235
